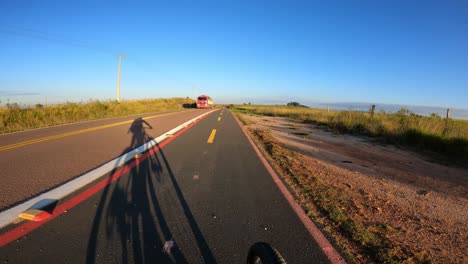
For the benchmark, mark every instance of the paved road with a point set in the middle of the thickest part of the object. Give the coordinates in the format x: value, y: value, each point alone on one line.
x: 28, y: 170
x: 213, y: 199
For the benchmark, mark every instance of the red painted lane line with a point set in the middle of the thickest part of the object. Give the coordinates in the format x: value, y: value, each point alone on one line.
x: 321, y: 240
x: 26, y: 228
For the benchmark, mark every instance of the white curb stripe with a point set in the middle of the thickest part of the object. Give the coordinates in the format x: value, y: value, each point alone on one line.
x: 10, y: 215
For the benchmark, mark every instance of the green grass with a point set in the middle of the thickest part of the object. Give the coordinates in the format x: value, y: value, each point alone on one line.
x: 449, y: 138
x: 14, y: 118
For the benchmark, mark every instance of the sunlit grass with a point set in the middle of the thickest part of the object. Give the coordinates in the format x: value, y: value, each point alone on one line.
x: 370, y: 239
x: 14, y: 118
x: 428, y: 133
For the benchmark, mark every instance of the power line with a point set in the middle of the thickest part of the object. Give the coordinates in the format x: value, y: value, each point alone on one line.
x: 20, y: 94
x: 35, y: 34
x: 46, y: 36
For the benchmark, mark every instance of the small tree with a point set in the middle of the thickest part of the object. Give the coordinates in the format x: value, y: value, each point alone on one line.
x: 293, y: 104
x: 13, y: 106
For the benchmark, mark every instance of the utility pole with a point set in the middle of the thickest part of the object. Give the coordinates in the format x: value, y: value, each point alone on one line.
x: 118, y: 77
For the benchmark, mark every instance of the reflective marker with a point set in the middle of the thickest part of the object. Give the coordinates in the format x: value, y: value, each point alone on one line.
x: 35, y: 215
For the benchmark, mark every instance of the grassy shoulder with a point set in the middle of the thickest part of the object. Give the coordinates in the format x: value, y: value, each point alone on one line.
x: 447, y: 138
x: 15, y: 118
x: 339, y: 214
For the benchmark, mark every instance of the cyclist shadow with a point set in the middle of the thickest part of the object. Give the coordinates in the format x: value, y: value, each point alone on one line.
x: 130, y: 211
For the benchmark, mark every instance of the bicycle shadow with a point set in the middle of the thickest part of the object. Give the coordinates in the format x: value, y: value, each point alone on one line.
x: 130, y: 217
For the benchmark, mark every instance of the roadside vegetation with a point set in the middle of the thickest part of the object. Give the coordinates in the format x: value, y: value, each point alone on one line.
x: 353, y: 216
x: 363, y: 241
x: 14, y: 118
x: 431, y: 134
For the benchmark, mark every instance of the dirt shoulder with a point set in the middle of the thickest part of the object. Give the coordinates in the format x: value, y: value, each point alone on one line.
x: 379, y: 203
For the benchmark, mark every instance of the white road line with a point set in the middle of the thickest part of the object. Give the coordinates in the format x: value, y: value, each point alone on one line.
x: 10, y: 215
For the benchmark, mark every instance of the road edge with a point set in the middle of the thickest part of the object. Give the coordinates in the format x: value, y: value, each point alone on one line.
x: 9, y: 215
x: 325, y: 245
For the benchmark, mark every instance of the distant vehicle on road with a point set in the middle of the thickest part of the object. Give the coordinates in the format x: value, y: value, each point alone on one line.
x: 204, y: 102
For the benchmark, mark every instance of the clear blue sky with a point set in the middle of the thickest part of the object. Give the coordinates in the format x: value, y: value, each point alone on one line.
x: 402, y: 52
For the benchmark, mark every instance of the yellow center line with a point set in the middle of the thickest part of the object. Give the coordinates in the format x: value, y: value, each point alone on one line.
x: 219, y: 119
x: 37, y: 140
x: 212, y: 136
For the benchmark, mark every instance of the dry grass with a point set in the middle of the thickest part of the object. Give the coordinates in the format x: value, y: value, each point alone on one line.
x: 369, y: 241
x: 449, y: 138
x: 14, y: 118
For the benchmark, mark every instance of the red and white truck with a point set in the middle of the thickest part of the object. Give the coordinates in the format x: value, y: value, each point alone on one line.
x: 204, y: 102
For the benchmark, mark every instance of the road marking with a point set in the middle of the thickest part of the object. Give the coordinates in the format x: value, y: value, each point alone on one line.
x: 37, y: 140
x: 219, y: 119
x: 9, y: 215
x: 322, y: 241
x: 35, y: 215
x: 212, y: 136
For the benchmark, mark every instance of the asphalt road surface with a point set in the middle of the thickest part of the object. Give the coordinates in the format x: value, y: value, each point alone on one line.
x: 30, y: 169
x: 206, y: 191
